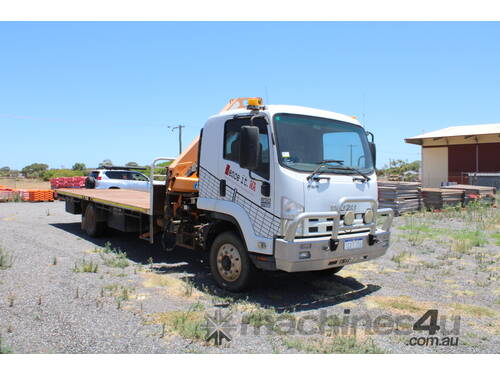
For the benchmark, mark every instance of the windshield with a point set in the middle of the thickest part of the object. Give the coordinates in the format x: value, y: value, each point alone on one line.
x: 304, y: 142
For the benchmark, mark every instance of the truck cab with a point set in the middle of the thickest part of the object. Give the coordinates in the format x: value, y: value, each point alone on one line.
x: 299, y: 182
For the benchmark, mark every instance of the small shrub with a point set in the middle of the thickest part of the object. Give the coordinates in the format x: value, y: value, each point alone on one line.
x: 3, y: 348
x: 113, y: 257
x: 496, y: 237
x: 400, y: 257
x: 260, y: 317
x: 6, y: 259
x: 188, y: 324
x: 188, y: 286
x: 475, y: 238
x: 461, y: 246
x: 87, y: 266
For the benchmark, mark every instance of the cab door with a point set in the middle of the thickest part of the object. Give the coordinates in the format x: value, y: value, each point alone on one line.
x: 253, y: 191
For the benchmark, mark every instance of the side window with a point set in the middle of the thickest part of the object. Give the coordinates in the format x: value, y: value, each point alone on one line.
x: 138, y: 176
x: 116, y: 175
x: 232, y: 142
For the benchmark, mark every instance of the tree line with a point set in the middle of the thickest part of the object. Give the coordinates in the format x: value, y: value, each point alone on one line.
x: 43, y: 172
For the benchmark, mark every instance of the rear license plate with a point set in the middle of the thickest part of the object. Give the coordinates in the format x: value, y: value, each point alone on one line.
x: 355, y: 243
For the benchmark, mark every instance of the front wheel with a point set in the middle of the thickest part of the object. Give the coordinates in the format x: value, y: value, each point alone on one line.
x: 229, y: 262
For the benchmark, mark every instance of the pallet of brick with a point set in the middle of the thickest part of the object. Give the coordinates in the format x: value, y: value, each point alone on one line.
x: 67, y: 182
x: 400, y: 196
x: 438, y: 198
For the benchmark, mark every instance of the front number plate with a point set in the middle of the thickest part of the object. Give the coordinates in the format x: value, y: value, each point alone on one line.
x: 356, y: 243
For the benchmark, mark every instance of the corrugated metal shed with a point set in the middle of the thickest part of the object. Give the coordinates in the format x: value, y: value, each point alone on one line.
x: 456, y: 131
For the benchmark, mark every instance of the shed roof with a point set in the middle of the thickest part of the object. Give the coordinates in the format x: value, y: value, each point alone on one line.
x: 456, y: 131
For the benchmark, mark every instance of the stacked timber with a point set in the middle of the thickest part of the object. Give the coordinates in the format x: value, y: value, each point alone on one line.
x: 436, y: 198
x: 400, y: 196
x: 474, y: 192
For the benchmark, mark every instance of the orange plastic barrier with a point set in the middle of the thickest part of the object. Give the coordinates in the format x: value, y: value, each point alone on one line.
x: 29, y: 195
x: 41, y: 195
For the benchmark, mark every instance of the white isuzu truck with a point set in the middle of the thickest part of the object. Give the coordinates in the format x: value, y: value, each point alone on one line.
x: 270, y: 187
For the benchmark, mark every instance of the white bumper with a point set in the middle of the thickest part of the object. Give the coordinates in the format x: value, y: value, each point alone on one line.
x: 319, y: 253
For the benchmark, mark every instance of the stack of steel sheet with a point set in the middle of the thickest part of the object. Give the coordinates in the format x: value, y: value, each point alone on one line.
x: 474, y: 192
x: 436, y: 198
x: 400, y: 196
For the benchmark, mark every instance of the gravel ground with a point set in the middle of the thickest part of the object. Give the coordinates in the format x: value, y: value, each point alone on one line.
x: 154, y: 302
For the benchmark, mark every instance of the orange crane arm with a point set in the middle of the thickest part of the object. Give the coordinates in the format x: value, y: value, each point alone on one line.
x: 183, y: 177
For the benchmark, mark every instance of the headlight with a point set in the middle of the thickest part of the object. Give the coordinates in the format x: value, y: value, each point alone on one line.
x: 368, y: 216
x: 349, y: 218
x: 290, y: 209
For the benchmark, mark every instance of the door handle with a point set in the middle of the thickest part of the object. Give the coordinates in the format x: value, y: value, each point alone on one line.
x: 222, y: 188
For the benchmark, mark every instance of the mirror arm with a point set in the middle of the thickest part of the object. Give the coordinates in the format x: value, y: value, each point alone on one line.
x: 258, y: 115
x: 250, y: 174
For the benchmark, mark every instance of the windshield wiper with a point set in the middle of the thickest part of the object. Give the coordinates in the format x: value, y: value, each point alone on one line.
x: 343, y: 167
x: 321, y: 165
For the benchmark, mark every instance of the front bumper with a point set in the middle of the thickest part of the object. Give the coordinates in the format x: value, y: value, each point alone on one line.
x: 330, y: 252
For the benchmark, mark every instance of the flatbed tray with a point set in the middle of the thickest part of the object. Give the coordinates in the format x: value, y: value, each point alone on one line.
x: 133, y: 200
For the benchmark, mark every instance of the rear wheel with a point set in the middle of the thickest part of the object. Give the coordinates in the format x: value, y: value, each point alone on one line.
x: 90, y: 223
x: 90, y: 182
x: 229, y: 262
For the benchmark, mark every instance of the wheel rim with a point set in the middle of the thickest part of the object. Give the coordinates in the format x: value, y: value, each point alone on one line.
x: 228, y: 262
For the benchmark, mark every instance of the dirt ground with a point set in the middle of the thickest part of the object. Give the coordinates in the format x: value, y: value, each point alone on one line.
x: 64, y: 292
x: 24, y: 183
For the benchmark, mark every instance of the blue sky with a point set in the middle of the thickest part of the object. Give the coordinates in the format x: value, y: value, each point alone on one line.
x: 84, y: 92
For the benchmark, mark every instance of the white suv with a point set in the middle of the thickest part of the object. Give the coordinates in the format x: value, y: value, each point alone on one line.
x: 117, y: 179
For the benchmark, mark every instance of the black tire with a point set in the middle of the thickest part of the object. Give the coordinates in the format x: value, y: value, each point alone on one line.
x: 231, y: 267
x: 90, y: 224
x: 90, y: 182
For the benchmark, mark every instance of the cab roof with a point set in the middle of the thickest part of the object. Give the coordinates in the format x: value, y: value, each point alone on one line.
x: 273, y: 109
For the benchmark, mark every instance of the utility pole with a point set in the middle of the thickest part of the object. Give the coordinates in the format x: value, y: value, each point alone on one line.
x: 180, y: 135
x: 350, y: 151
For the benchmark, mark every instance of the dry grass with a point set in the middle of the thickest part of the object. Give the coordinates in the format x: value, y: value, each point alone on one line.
x: 24, y: 183
x: 397, y: 304
x: 188, y: 324
x: 474, y: 310
x: 172, y: 285
x: 327, y: 345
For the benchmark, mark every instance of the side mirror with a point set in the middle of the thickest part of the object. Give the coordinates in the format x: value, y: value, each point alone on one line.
x: 249, y: 147
x: 373, y: 151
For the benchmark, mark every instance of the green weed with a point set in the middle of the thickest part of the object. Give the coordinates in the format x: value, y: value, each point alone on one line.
x: 6, y: 259
x: 85, y: 266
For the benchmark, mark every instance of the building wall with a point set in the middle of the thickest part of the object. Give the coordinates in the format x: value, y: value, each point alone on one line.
x: 434, y: 166
x: 481, y: 157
